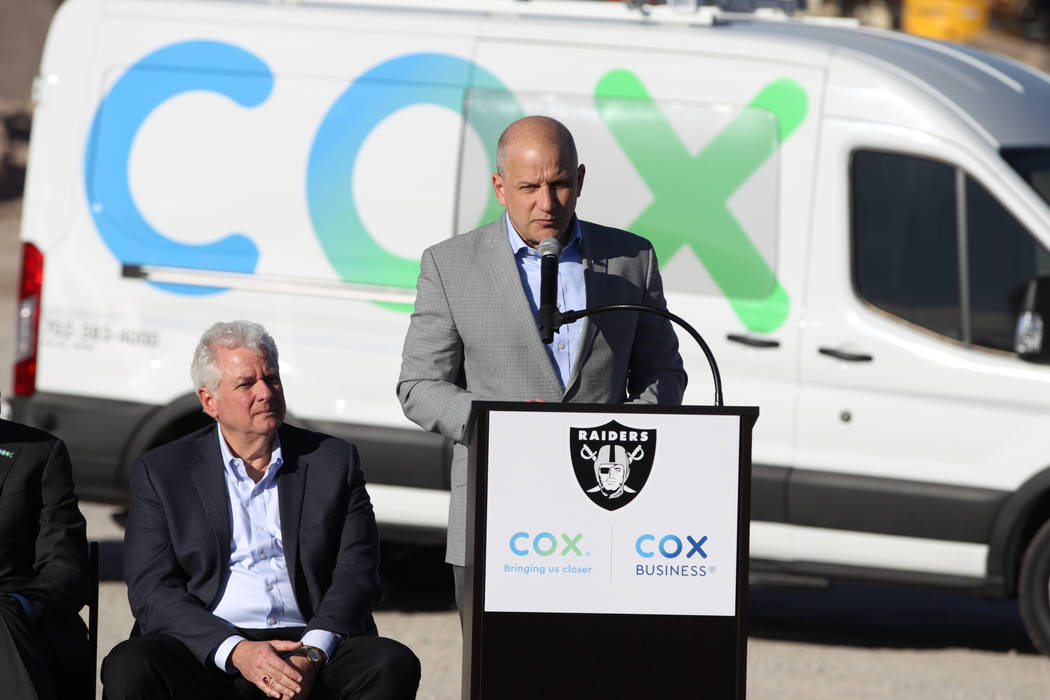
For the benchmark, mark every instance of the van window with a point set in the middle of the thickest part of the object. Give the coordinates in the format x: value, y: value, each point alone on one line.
x: 904, y: 239
x: 1002, y: 258
x: 1033, y: 164
x: 915, y: 258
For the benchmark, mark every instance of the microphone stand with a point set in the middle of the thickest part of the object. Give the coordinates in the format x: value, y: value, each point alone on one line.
x: 561, y: 319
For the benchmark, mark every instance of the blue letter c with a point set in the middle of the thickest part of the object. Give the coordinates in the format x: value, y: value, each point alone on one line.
x: 191, y: 65
x: 514, y: 548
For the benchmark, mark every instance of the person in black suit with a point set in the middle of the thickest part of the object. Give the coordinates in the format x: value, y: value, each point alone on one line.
x: 44, y: 580
x: 251, y: 552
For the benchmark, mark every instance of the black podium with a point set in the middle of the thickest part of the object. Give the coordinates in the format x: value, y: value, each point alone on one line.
x: 607, y: 551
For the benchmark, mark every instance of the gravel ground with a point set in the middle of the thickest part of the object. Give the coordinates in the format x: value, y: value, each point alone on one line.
x: 836, y: 661
x: 837, y: 644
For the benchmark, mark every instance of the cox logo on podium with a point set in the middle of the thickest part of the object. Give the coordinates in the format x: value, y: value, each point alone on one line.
x: 612, y: 461
x: 670, y: 546
x: 545, y: 544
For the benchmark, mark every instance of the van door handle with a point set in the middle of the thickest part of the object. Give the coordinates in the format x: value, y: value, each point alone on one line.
x: 753, y: 342
x: 847, y: 356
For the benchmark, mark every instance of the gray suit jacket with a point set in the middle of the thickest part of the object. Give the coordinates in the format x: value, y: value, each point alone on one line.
x: 473, y: 336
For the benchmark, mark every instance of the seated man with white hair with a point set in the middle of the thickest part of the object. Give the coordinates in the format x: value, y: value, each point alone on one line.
x: 251, y: 552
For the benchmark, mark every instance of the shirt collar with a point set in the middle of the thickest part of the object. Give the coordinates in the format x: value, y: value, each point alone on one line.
x: 235, y: 465
x: 519, y: 247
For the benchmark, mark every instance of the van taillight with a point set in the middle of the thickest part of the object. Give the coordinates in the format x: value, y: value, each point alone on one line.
x: 28, y: 319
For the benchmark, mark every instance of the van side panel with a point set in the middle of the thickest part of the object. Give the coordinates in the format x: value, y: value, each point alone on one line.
x: 206, y: 143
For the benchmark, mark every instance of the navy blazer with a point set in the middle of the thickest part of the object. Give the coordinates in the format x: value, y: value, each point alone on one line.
x: 177, y: 540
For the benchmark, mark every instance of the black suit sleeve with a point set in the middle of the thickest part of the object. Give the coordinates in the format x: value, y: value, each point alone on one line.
x: 45, y: 549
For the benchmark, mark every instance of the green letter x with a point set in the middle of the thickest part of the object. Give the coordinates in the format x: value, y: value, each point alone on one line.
x: 689, y: 194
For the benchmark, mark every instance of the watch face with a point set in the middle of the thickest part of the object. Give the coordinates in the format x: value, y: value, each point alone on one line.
x: 314, y: 655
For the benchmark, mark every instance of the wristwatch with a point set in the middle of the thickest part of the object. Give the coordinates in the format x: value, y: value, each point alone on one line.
x: 314, y: 655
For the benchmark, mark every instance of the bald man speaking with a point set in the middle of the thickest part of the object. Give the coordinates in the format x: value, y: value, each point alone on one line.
x: 474, y: 336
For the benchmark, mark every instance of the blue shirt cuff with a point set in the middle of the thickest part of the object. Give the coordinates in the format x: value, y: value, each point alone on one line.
x: 323, y: 640
x: 222, y: 653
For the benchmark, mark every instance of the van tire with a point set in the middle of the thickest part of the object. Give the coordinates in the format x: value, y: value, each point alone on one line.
x: 1034, y: 589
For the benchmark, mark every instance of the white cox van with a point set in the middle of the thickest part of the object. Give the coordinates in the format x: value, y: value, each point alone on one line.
x: 856, y: 221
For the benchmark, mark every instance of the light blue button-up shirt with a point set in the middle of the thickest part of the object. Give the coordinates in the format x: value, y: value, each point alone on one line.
x: 572, y: 292
x: 258, y: 592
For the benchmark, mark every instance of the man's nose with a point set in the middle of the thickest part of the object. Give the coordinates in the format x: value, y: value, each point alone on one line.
x: 546, y: 200
x: 262, y: 390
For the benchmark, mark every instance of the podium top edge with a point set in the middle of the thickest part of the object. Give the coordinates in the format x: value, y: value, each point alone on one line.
x: 627, y: 408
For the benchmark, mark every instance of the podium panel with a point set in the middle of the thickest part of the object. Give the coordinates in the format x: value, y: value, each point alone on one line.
x: 607, y: 551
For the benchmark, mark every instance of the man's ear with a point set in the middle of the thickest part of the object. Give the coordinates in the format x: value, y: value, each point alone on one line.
x: 497, y: 187
x: 208, y: 402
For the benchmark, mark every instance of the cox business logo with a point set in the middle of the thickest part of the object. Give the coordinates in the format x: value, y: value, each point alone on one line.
x: 670, y: 546
x: 689, y: 193
x: 673, y: 547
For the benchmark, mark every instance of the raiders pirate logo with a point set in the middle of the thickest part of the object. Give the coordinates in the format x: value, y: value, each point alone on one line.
x: 612, y: 462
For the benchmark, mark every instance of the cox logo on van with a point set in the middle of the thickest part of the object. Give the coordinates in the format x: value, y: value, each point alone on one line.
x: 689, y: 193
x: 400, y: 82
x: 545, y: 544
x: 670, y: 546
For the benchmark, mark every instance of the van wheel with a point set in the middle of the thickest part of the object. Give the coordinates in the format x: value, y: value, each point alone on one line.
x: 1034, y: 589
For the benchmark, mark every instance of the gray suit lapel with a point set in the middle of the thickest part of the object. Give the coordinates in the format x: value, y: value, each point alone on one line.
x: 207, y: 473
x: 507, y: 281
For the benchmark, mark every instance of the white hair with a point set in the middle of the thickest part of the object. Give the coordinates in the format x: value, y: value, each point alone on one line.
x: 204, y: 370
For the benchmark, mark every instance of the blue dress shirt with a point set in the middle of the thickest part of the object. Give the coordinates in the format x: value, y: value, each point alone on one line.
x: 258, y: 591
x: 572, y: 293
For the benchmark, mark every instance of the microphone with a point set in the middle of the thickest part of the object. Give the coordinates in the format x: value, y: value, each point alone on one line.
x: 550, y: 251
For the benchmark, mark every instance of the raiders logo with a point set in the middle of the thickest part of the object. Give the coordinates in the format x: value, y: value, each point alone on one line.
x: 612, y: 462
